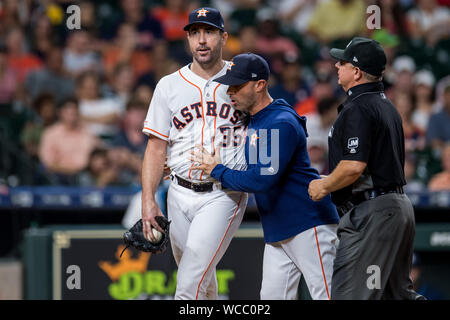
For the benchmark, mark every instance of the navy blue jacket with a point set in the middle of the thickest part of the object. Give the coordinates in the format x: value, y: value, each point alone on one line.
x: 279, y: 172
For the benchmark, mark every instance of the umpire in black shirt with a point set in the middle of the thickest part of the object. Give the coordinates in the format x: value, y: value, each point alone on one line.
x: 366, y: 159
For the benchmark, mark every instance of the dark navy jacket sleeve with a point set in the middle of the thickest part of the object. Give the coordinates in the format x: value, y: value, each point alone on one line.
x: 261, y: 177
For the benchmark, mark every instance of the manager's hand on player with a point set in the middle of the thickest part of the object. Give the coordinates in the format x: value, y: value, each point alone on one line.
x: 316, y: 190
x: 207, y: 162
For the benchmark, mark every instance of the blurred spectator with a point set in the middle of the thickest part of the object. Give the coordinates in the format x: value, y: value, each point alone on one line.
x: 322, y: 89
x: 338, y: 19
x: 8, y: 78
x: 13, y: 13
x: 173, y: 16
x: 414, y: 135
x: 66, y: 145
x: 393, y: 17
x: 296, y: 14
x: 319, y: 124
x: 45, y: 109
x: 390, y: 42
x: 149, y: 29
x: 79, y: 55
x: 125, y: 49
x: 122, y: 84
x: 325, y: 70
x: 43, y: 38
x: 55, y: 11
x: 441, y: 181
x: 245, y: 41
x: 270, y: 43
x: 438, y: 131
x: 19, y: 59
x: 291, y: 87
x: 111, y: 167
x: 129, y: 165
x: 413, y: 184
x: 52, y: 78
x: 441, y: 86
x: 402, y: 71
x: 130, y: 135
x: 101, y: 115
x: 143, y: 93
x: 424, y: 98
x: 243, y: 14
x: 429, y: 21
x: 144, y: 41
x: 317, y: 152
x: 100, y: 171
x: 163, y: 64
x: 88, y: 17
x: 226, y: 7
x: 419, y: 285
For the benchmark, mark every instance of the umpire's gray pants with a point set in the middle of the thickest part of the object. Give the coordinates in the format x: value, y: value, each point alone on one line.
x: 374, y: 254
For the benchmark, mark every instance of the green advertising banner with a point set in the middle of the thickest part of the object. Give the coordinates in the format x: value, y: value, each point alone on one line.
x: 82, y: 262
x: 432, y: 237
x: 86, y: 265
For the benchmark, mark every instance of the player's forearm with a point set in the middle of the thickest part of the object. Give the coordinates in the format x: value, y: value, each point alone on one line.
x: 152, y: 169
x: 237, y: 180
x: 346, y: 173
x: 255, y: 180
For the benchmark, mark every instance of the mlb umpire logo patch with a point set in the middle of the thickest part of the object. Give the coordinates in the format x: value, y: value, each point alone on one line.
x: 353, y: 144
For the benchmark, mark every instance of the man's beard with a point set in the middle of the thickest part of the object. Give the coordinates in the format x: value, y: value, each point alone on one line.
x: 214, y: 56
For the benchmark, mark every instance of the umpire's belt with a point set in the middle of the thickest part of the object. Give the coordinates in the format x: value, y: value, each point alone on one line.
x: 366, y: 195
x: 197, y: 187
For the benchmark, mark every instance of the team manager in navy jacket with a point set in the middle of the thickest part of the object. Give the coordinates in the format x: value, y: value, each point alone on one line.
x: 300, y: 234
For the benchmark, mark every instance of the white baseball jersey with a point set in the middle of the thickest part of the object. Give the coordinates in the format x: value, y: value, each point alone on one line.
x: 187, y: 110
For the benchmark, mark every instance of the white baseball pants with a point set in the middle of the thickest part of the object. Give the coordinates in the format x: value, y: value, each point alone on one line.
x: 203, y: 224
x: 310, y: 253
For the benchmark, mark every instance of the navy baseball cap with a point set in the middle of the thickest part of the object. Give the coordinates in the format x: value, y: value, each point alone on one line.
x: 243, y: 68
x: 205, y: 15
x: 364, y: 53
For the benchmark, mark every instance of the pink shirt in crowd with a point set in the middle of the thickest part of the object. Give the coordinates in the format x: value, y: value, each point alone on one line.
x: 8, y: 85
x: 67, y: 149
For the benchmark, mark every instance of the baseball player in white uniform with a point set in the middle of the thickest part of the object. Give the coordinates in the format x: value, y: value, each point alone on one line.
x: 189, y: 108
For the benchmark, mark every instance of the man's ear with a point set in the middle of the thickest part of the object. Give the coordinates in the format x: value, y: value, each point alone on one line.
x: 358, y: 74
x: 260, y: 85
x: 224, y: 38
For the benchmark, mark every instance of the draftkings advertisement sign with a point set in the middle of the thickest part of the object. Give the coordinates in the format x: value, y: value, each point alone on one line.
x: 86, y: 265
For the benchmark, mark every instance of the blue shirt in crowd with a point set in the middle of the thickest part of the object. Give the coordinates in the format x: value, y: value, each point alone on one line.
x: 438, y: 127
x: 279, y: 172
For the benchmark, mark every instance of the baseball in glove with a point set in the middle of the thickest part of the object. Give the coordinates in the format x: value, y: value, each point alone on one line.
x: 135, y: 237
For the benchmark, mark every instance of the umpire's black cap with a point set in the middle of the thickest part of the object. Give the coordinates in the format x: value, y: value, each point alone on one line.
x: 243, y: 68
x: 205, y: 15
x: 364, y: 53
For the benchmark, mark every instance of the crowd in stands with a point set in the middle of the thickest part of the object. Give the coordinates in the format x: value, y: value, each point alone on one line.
x: 73, y: 102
